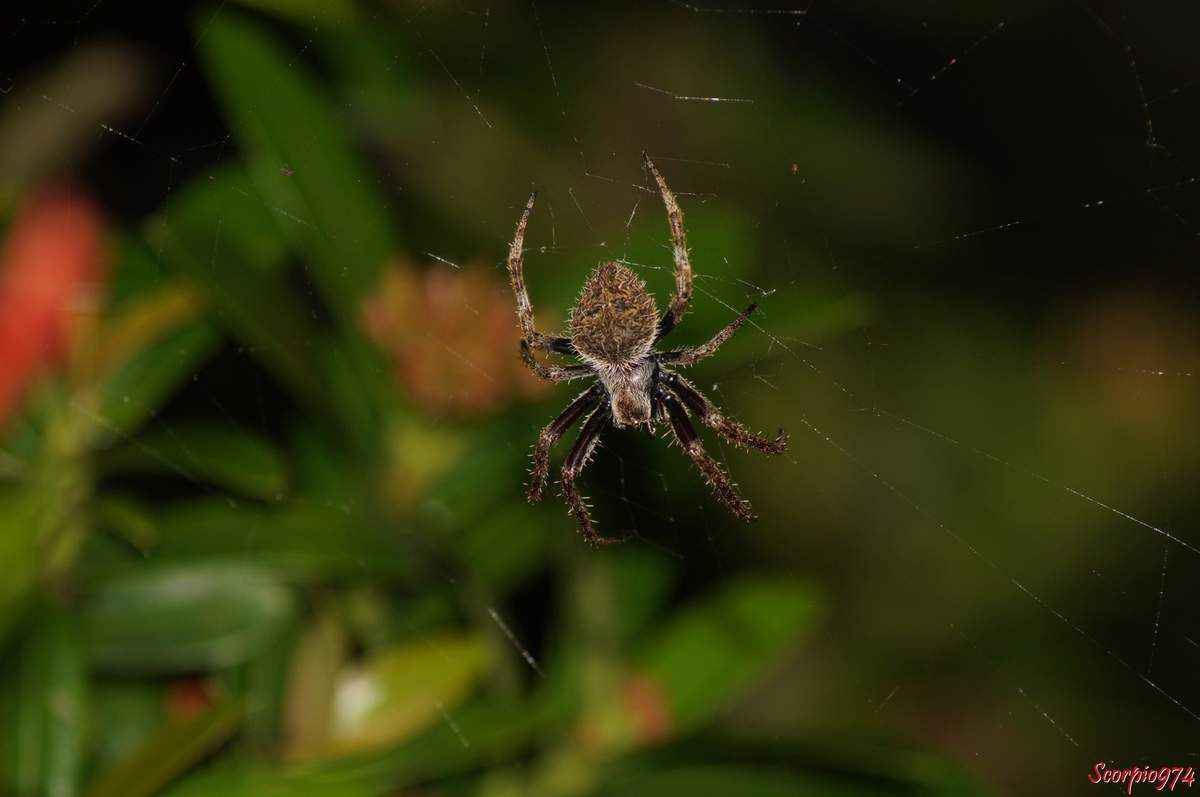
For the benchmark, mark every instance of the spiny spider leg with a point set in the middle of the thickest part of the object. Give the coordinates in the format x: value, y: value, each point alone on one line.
x: 553, y: 373
x: 578, y: 457
x: 716, y: 420
x: 685, y: 433
x: 586, y: 400
x: 691, y: 355
x: 683, y: 266
x: 516, y: 275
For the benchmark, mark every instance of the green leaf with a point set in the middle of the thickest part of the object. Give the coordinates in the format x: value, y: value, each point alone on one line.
x: 375, y: 80
x: 256, y: 306
x: 525, y: 545
x: 20, y: 521
x: 259, y: 682
x: 475, y: 734
x: 139, y: 386
x: 319, y: 656
x: 43, y: 702
x: 719, y: 646
x: 401, y: 691
x: 308, y: 540
x: 240, y: 780
x: 642, y: 583
x: 185, y: 618
x: 130, y: 713
x: 299, y: 159
x: 169, y: 754
x: 214, y: 453
x: 124, y: 517
x: 308, y: 12
x: 137, y: 273
x: 217, y: 231
x: 222, y: 209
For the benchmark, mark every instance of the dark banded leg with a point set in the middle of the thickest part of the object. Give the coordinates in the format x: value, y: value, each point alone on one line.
x: 712, y: 417
x: 553, y: 373
x: 685, y: 433
x: 578, y: 457
x: 586, y: 400
x: 694, y: 354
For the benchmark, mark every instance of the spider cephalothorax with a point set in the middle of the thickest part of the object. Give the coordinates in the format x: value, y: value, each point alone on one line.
x: 614, y: 327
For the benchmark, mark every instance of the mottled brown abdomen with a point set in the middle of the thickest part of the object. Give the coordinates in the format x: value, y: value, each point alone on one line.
x: 615, y: 319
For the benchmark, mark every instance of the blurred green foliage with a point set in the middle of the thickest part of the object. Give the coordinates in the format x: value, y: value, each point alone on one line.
x: 308, y: 614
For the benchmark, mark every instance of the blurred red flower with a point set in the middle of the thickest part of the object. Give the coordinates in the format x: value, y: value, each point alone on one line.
x: 51, y: 267
x: 452, y: 338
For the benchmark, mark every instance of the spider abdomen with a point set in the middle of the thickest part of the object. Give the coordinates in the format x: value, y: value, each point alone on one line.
x: 615, y: 319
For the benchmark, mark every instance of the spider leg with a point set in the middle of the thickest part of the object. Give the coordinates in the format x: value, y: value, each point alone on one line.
x: 691, y: 355
x: 550, y: 435
x: 553, y: 373
x: 712, y: 417
x: 683, y: 266
x: 516, y: 275
x: 578, y: 457
x: 685, y: 433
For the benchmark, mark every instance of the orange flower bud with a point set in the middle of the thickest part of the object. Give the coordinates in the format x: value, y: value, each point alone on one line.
x: 51, y: 267
x: 452, y: 338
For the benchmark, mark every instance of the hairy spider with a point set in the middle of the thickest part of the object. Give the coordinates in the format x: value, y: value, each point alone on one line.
x: 614, y: 327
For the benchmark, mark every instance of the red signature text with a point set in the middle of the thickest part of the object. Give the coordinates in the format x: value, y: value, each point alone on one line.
x: 1159, y: 778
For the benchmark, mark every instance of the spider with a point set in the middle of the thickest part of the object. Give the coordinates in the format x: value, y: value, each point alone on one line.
x: 614, y: 327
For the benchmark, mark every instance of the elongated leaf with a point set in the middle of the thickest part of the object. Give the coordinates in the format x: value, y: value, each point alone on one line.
x: 299, y: 159
x: 402, y: 690
x: 170, y: 753
x: 240, y: 780
x: 476, y: 733
x: 218, y: 233
x: 308, y: 12
x: 139, y: 324
x: 320, y: 197
x: 185, y: 618
x: 130, y: 713
x: 642, y: 583
x: 525, y: 545
x: 717, y: 647
x: 308, y: 703
x: 19, y: 524
x: 137, y: 388
x: 124, y: 517
x: 253, y: 304
x: 303, y: 541
x: 222, y: 210
x: 138, y: 272
x: 43, y: 702
x: 214, y: 453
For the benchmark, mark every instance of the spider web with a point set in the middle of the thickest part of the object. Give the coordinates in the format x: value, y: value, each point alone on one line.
x: 970, y: 234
